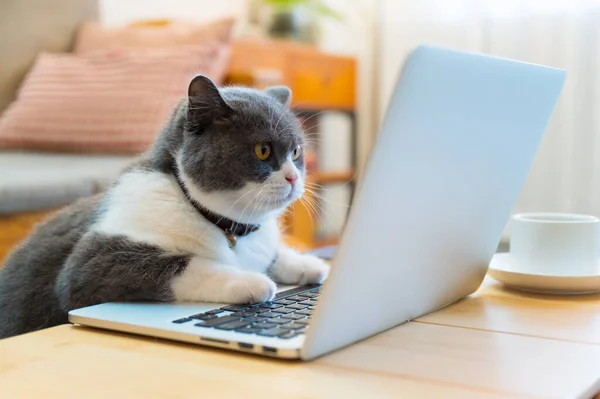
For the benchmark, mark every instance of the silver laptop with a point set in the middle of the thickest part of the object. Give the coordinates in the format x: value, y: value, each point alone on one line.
x: 456, y: 145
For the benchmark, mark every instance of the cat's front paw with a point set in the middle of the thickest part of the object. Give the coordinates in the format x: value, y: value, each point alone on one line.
x: 250, y: 288
x: 300, y: 269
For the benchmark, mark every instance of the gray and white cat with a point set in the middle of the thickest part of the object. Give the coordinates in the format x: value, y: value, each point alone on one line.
x: 233, y: 155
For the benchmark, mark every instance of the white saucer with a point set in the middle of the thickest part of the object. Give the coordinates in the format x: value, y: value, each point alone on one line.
x: 501, y: 270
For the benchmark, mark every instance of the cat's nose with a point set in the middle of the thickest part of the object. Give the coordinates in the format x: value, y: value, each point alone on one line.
x: 291, y: 178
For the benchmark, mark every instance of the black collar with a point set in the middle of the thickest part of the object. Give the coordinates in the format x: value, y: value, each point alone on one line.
x: 231, y: 228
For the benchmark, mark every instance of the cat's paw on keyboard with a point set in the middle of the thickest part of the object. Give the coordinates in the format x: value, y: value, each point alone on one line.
x: 250, y: 288
x: 300, y: 269
x: 312, y: 270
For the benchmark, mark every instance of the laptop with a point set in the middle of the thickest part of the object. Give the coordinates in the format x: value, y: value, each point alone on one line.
x: 451, y: 157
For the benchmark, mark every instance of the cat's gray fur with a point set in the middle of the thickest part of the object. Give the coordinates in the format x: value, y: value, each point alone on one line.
x: 65, y: 265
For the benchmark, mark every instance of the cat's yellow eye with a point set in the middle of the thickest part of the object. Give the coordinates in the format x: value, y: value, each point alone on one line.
x: 262, y: 151
x: 296, y: 153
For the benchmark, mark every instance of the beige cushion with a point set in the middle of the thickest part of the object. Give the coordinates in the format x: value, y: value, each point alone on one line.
x: 30, y: 26
x: 94, y: 37
x: 104, y: 102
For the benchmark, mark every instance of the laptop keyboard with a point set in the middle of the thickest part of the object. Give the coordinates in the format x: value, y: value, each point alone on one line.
x: 287, y: 316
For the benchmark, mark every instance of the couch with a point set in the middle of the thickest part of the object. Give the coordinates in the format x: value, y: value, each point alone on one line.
x: 33, y: 184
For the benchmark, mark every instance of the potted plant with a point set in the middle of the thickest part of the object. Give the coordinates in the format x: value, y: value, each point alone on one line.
x: 297, y: 19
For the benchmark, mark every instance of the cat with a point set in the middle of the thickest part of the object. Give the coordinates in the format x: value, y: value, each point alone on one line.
x: 193, y: 219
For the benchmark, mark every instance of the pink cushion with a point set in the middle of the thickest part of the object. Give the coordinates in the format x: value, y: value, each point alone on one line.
x: 104, y: 102
x: 94, y: 37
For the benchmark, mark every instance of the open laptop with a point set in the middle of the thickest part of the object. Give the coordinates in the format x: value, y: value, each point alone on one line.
x: 457, y: 142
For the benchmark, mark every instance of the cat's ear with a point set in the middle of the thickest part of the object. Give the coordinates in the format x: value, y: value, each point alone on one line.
x: 282, y: 94
x: 205, y: 103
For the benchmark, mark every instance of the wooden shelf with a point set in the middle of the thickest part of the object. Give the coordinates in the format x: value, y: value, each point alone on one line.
x: 331, y: 177
x: 319, y: 81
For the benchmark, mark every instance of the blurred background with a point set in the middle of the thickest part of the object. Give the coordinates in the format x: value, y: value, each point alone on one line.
x: 85, y: 85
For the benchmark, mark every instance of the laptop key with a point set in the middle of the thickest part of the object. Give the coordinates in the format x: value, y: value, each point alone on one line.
x: 303, y: 322
x: 280, y: 321
x: 216, y: 311
x: 290, y: 334
x: 273, y: 332
x: 270, y: 314
x: 246, y: 313
x: 293, y: 326
x: 305, y: 312
x: 184, y: 320
x: 296, y: 298
x: 285, y: 302
x: 249, y: 330
x: 309, y: 295
x: 310, y: 302
x: 284, y: 310
x: 270, y: 305
x: 297, y: 306
x: 264, y: 326
x: 202, y: 316
x: 255, y: 319
x: 234, y: 308
x: 232, y: 325
x: 293, y: 316
x: 216, y: 321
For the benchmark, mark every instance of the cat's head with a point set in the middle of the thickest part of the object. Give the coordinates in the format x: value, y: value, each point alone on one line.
x: 242, y: 153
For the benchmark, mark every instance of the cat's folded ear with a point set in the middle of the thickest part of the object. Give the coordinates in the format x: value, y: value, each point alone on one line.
x: 282, y: 94
x: 205, y: 103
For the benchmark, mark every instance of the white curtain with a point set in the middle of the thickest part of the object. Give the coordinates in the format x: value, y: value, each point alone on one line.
x: 565, y: 176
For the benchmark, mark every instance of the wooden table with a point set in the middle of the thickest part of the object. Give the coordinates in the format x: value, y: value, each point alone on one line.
x: 494, y: 344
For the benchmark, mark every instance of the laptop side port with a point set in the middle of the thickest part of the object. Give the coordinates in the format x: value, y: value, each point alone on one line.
x: 243, y: 345
x: 269, y: 350
x: 216, y: 341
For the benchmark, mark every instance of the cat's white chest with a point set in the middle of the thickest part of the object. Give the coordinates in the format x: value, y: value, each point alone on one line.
x: 256, y: 251
x: 149, y: 207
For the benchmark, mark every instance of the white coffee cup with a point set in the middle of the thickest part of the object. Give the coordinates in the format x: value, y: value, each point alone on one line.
x: 561, y: 244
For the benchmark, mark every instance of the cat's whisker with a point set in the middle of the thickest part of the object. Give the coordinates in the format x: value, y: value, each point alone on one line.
x: 269, y: 202
x: 313, y: 184
x: 279, y: 120
x: 238, y: 200
x: 312, y: 212
x: 314, y: 130
x: 308, y: 183
x: 310, y: 216
x: 247, y: 205
x: 312, y: 141
x: 304, y: 120
x: 312, y: 136
x: 257, y: 200
x: 311, y: 133
x: 292, y: 125
x: 322, y: 215
x: 314, y: 200
x: 256, y: 207
x: 325, y: 199
x: 271, y: 117
x: 309, y: 202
